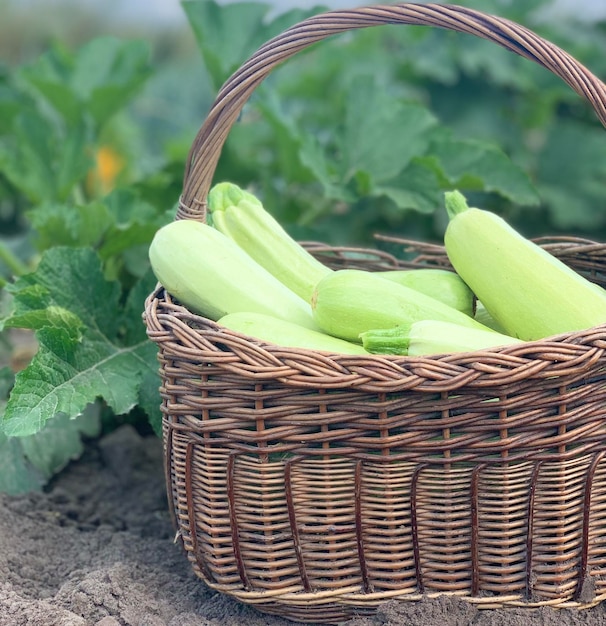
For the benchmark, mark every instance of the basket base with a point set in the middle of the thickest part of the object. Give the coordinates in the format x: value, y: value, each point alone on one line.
x: 321, y: 608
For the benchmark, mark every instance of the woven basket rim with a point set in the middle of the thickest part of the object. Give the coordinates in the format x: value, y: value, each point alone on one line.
x: 584, y: 338
x: 539, y: 360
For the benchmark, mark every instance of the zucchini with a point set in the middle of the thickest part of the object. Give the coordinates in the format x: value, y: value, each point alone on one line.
x: 240, y: 216
x: 432, y: 337
x: 484, y: 317
x: 349, y: 302
x: 441, y: 284
x: 208, y: 273
x: 530, y: 293
x: 282, y: 333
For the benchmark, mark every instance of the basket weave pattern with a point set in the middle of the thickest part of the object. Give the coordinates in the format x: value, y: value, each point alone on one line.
x: 315, y: 485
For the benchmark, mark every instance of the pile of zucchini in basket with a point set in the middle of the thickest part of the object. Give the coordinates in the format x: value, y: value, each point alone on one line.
x: 245, y: 272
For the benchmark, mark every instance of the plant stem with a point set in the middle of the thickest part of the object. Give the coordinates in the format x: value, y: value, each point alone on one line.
x: 14, y: 264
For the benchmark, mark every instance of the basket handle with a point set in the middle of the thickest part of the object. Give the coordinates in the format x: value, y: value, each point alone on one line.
x: 206, y: 149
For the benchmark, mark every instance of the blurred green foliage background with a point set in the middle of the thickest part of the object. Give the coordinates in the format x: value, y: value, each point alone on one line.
x: 290, y: 144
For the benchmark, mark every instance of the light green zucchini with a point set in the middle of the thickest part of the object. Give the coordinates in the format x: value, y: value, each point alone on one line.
x: 210, y: 274
x: 282, y: 333
x: 349, y: 302
x: 528, y: 291
x: 432, y: 337
x: 443, y: 285
x: 484, y: 317
x: 240, y: 216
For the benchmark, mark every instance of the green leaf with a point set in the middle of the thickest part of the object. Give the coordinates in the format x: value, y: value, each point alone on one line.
x: 60, y: 442
x: 53, y: 316
x: 50, y: 76
x: 27, y: 161
x: 381, y: 134
x: 226, y: 34
x: 416, y: 188
x: 17, y: 474
x: 43, y: 166
x: 98, y: 80
x: 114, y: 225
x: 74, y: 160
x: 72, y: 279
x: 12, y: 102
x: 135, y: 332
x: 377, y: 146
x: 7, y: 380
x: 149, y: 389
x: 134, y: 223
x: 572, y: 170
x: 286, y: 135
x: 471, y: 164
x: 27, y: 463
x: 51, y: 148
x: 64, y: 378
x: 68, y: 374
x: 69, y: 225
x: 433, y: 57
x: 109, y: 72
x: 313, y: 157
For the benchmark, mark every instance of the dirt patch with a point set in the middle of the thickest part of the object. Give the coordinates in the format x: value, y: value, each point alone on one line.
x: 96, y: 549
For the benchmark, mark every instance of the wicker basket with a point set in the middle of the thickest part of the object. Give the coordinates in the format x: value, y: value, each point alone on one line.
x: 317, y: 486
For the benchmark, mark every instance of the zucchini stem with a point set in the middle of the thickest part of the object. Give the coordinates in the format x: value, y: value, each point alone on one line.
x: 455, y: 203
x: 387, y: 340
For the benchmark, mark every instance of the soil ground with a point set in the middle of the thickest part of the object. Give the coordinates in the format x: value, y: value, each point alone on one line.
x: 96, y: 548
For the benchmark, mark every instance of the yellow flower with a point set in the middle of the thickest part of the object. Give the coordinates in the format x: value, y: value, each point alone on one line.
x: 108, y: 165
